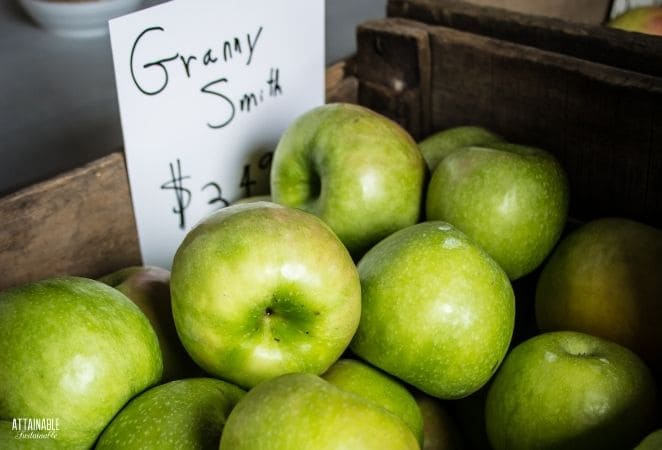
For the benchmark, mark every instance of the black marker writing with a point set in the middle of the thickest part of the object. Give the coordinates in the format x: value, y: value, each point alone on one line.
x: 225, y: 51
x: 246, y: 102
x: 160, y: 63
x: 247, y: 182
x: 153, y: 76
x: 182, y: 194
x: 274, y: 84
x: 252, y: 44
x: 207, y: 89
x: 218, y: 198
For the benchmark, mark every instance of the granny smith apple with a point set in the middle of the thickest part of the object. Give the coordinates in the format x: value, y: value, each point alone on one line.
x: 442, y: 143
x: 302, y: 411
x: 437, y: 312
x: 181, y: 414
x: 357, y: 170
x: 379, y: 388
x: 149, y: 288
x: 604, y: 279
x: 651, y: 442
x: 259, y: 290
x: 644, y: 19
x: 440, y: 431
x: 73, y: 351
x: 512, y: 200
x: 570, y: 390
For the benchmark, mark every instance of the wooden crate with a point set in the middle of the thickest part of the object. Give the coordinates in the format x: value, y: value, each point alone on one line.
x: 590, y: 95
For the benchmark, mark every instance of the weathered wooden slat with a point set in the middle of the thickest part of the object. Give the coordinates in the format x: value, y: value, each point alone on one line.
x: 632, y: 51
x: 394, y: 72
x: 341, y: 82
x: 80, y: 223
x: 585, y: 11
x: 603, y: 123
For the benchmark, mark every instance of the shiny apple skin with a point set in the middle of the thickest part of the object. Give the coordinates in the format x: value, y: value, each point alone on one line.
x: 303, y: 411
x: 181, y: 414
x: 438, y: 312
x: 353, y: 375
x: 571, y: 391
x: 259, y: 290
x: 357, y: 170
x: 512, y: 200
x: 75, y: 350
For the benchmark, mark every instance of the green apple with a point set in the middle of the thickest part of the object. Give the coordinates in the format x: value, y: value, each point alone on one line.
x: 183, y: 414
x: 379, y: 388
x: 442, y: 143
x: 357, y: 170
x: 510, y: 199
x: 651, y: 442
x: 644, y: 19
x: 149, y: 288
x: 259, y: 290
x: 73, y: 351
x: 302, y: 411
x: 604, y: 279
x: 572, y: 391
x: 440, y: 432
x: 438, y: 312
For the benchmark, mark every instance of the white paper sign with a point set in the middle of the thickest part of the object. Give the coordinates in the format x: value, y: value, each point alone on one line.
x: 206, y: 88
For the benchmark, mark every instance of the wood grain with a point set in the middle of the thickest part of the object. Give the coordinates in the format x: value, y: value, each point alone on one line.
x: 393, y: 68
x: 587, y: 11
x: 341, y: 82
x: 80, y: 223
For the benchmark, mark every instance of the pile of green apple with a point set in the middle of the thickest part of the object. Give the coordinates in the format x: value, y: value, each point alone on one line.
x: 367, y: 303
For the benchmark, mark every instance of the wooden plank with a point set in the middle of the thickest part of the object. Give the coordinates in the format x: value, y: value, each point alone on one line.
x: 393, y: 68
x: 586, y: 11
x: 631, y: 51
x: 80, y: 223
x: 341, y: 82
